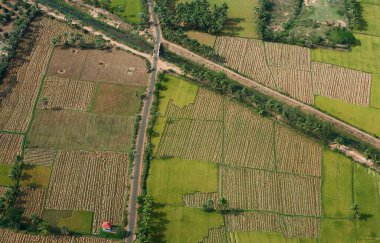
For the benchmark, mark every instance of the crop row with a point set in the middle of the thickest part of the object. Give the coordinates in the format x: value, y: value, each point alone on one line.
x: 342, y: 83
x: 198, y: 199
x: 215, y: 235
x: 290, y: 227
x: 296, y: 153
x: 249, y: 138
x: 10, y: 147
x: 66, y: 94
x: 32, y: 201
x: 207, y: 106
x: 264, y: 190
x: 90, y: 181
x: 39, y: 156
x: 192, y: 139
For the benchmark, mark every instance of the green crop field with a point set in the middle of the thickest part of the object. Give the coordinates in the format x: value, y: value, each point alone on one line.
x: 338, y: 230
x: 131, y: 9
x: 5, y: 170
x: 76, y: 221
x: 337, y: 185
x: 36, y: 176
x: 195, y: 176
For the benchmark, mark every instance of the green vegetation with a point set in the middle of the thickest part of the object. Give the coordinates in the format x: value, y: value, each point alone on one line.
x: 363, y: 117
x: 337, y: 185
x: 181, y: 92
x: 130, y: 10
x: 367, y: 195
x: 371, y: 12
x: 35, y: 176
x: 337, y: 230
x: 127, y: 37
x: 158, y: 129
x: 262, y: 237
x: 117, y: 99
x: 74, y: 221
x: 203, y: 38
x: 186, y: 224
x: 54, y: 129
x: 171, y: 178
x: 5, y: 171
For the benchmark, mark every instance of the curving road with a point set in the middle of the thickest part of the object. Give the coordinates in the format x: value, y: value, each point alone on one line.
x: 141, y: 137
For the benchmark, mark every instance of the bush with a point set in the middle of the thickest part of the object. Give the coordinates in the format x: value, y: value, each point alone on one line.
x: 341, y: 36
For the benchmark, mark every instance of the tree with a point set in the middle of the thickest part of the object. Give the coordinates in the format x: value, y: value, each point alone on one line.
x: 355, y: 211
x: 43, y: 228
x: 209, y: 206
x: 45, y: 102
x: 338, y: 141
x: 223, y: 203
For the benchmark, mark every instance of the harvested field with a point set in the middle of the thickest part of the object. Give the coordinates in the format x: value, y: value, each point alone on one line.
x: 90, y: 181
x: 215, y: 235
x: 39, y: 156
x: 116, y: 99
x: 10, y: 147
x: 296, y: 83
x: 249, y: 189
x: 112, y: 66
x: 32, y: 201
x: 288, y: 56
x: 62, y: 93
x: 342, y: 83
x: 245, y: 56
x: 54, y: 129
x: 198, y: 199
x: 296, y: 153
x: 32, y: 60
x: 299, y: 195
x: 207, y: 106
x: 290, y: 227
x: 183, y: 139
x: 2, y: 190
x: 7, y: 236
x: 67, y: 62
x: 249, y: 138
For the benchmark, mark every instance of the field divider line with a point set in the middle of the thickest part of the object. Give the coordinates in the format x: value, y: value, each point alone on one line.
x: 12, y: 132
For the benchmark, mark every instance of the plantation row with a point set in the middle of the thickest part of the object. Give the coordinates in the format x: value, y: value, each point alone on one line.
x: 90, y: 181
x: 207, y: 106
x: 39, y: 156
x: 249, y: 140
x: 289, y: 69
x: 192, y: 139
x: 215, y: 235
x: 60, y: 93
x: 290, y: 227
x: 10, y: 147
x: 7, y: 236
x: 264, y: 190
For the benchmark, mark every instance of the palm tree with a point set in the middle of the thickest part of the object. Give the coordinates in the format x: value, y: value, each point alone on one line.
x: 223, y: 203
x: 43, y: 228
x: 338, y: 141
x: 355, y: 211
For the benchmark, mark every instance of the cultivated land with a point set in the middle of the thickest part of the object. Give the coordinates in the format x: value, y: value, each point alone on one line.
x: 71, y: 115
x: 131, y: 9
x: 286, y: 185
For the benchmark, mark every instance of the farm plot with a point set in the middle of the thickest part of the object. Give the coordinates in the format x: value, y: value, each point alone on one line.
x: 290, y: 227
x: 114, y: 66
x: 60, y: 93
x: 288, y: 56
x: 245, y: 56
x: 215, y: 235
x: 116, y: 99
x: 296, y: 153
x: 249, y: 139
x: 183, y: 139
x: 342, y: 83
x: 67, y: 62
x: 299, y: 195
x: 10, y: 147
x: 39, y: 156
x: 90, y: 181
x: 198, y: 199
x: 207, y: 106
x: 249, y: 189
x: 54, y: 129
x: 32, y: 60
x: 296, y: 83
x: 32, y: 201
x: 7, y: 236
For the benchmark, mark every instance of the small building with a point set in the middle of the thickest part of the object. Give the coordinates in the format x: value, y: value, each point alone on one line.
x: 106, y: 226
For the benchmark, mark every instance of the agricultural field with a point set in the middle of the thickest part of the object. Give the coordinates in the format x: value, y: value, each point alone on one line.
x: 129, y: 10
x: 284, y: 186
x: 290, y: 70
x: 70, y: 116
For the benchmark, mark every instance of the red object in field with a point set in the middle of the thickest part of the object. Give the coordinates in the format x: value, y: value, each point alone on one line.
x: 106, y: 226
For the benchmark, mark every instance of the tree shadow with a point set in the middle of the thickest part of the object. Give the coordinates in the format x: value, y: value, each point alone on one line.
x: 362, y: 23
x: 231, y: 27
x: 159, y: 225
